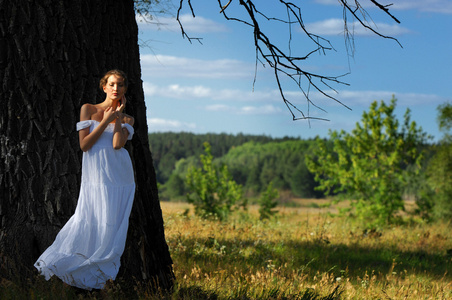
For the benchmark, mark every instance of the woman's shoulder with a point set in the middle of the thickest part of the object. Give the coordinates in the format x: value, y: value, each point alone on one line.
x: 87, y: 111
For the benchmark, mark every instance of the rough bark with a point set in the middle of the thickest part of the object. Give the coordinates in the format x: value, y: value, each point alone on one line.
x: 52, y: 54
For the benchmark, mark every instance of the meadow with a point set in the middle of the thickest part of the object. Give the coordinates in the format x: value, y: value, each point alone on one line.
x: 304, y: 252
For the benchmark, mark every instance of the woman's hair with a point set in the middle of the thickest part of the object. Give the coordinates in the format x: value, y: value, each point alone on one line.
x: 116, y: 72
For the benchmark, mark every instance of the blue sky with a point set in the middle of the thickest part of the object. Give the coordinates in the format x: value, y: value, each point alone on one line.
x: 210, y: 87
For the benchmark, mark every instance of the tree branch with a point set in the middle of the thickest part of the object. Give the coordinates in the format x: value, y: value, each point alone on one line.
x: 284, y: 63
x: 384, y: 8
x: 184, y: 34
x: 362, y: 19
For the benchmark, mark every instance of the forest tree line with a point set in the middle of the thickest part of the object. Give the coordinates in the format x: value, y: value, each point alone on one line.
x: 253, y: 160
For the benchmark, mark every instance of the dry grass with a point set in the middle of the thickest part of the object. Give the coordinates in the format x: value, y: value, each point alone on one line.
x: 306, y: 249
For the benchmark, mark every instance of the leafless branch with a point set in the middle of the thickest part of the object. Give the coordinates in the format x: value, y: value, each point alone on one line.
x: 362, y: 19
x: 226, y: 6
x: 288, y: 65
x: 184, y: 34
x: 386, y: 9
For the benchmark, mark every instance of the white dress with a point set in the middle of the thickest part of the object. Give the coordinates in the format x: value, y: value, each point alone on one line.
x: 87, y: 251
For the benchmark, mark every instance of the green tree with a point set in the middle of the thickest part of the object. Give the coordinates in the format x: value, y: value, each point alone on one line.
x: 281, y: 162
x: 370, y: 164
x: 213, y: 192
x: 267, y: 202
x: 440, y: 167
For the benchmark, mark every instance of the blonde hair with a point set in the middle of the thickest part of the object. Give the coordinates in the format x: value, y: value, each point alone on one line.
x: 103, y: 81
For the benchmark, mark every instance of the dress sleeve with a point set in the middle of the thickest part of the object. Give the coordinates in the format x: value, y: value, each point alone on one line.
x: 129, y: 129
x: 84, y: 124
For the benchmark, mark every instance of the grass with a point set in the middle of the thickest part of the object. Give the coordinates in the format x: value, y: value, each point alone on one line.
x: 303, y: 253
x: 306, y: 249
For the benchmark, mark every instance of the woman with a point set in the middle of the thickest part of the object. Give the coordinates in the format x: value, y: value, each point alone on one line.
x: 86, y: 252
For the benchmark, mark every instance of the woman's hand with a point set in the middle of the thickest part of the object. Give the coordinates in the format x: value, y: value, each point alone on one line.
x: 120, y: 109
x: 109, y: 115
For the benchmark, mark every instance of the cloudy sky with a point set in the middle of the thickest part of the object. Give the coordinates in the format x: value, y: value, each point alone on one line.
x: 215, y: 85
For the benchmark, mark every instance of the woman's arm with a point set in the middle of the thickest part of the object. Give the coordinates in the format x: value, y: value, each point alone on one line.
x: 87, y: 139
x: 121, y: 134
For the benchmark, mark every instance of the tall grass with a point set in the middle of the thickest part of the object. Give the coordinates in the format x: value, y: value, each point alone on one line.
x: 303, y: 253
x: 307, y: 249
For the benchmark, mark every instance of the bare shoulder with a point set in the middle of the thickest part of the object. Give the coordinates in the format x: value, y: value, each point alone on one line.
x: 87, y: 111
x: 128, y: 119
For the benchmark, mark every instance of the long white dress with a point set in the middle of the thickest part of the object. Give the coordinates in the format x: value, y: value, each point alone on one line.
x: 87, y: 251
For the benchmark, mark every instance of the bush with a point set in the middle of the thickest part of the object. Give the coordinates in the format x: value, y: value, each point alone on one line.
x: 267, y: 202
x: 213, y: 192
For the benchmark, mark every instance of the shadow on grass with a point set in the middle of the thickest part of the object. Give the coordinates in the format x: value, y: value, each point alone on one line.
x: 56, y: 289
x: 313, y: 256
x: 308, y: 294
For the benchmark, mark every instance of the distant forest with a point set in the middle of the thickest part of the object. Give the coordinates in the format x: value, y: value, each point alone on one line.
x: 253, y: 160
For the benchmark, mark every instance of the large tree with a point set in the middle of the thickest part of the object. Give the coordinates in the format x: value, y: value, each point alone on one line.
x: 52, y: 54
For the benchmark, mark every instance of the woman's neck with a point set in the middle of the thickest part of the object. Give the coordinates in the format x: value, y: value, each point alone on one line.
x: 110, y: 103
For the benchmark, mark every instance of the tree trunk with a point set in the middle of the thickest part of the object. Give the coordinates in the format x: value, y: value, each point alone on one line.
x: 52, y: 55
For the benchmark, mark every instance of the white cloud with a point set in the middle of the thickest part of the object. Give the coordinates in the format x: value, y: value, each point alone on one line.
x: 177, y: 91
x: 260, y: 110
x: 336, y: 27
x: 188, y: 93
x: 270, y: 98
x: 191, y: 25
x: 218, y: 107
x: 361, y: 99
x: 172, y: 66
x: 156, y: 125
x: 404, y: 99
x: 245, y: 110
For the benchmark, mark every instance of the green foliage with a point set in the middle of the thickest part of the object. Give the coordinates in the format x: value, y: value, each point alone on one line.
x: 267, y: 202
x: 445, y: 118
x: 253, y: 161
x: 174, y: 188
x: 255, y: 165
x: 370, y: 163
x: 213, y: 192
x: 169, y: 147
x: 440, y: 168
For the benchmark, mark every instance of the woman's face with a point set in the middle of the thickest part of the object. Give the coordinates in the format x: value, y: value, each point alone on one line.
x: 115, y: 87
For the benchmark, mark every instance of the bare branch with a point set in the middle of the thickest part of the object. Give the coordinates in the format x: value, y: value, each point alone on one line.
x: 288, y: 65
x: 184, y: 34
x: 224, y: 7
x: 361, y: 19
x: 384, y: 8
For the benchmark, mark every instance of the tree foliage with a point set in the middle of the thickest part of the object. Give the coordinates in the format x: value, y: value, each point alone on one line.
x: 370, y: 164
x: 253, y: 161
x: 169, y: 147
x: 268, y: 202
x: 256, y: 165
x: 212, y: 190
x: 440, y: 168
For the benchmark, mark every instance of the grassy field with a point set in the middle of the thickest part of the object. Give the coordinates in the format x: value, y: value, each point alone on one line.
x: 302, y: 253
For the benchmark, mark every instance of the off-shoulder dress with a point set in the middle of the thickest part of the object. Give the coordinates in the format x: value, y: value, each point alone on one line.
x: 86, y: 252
